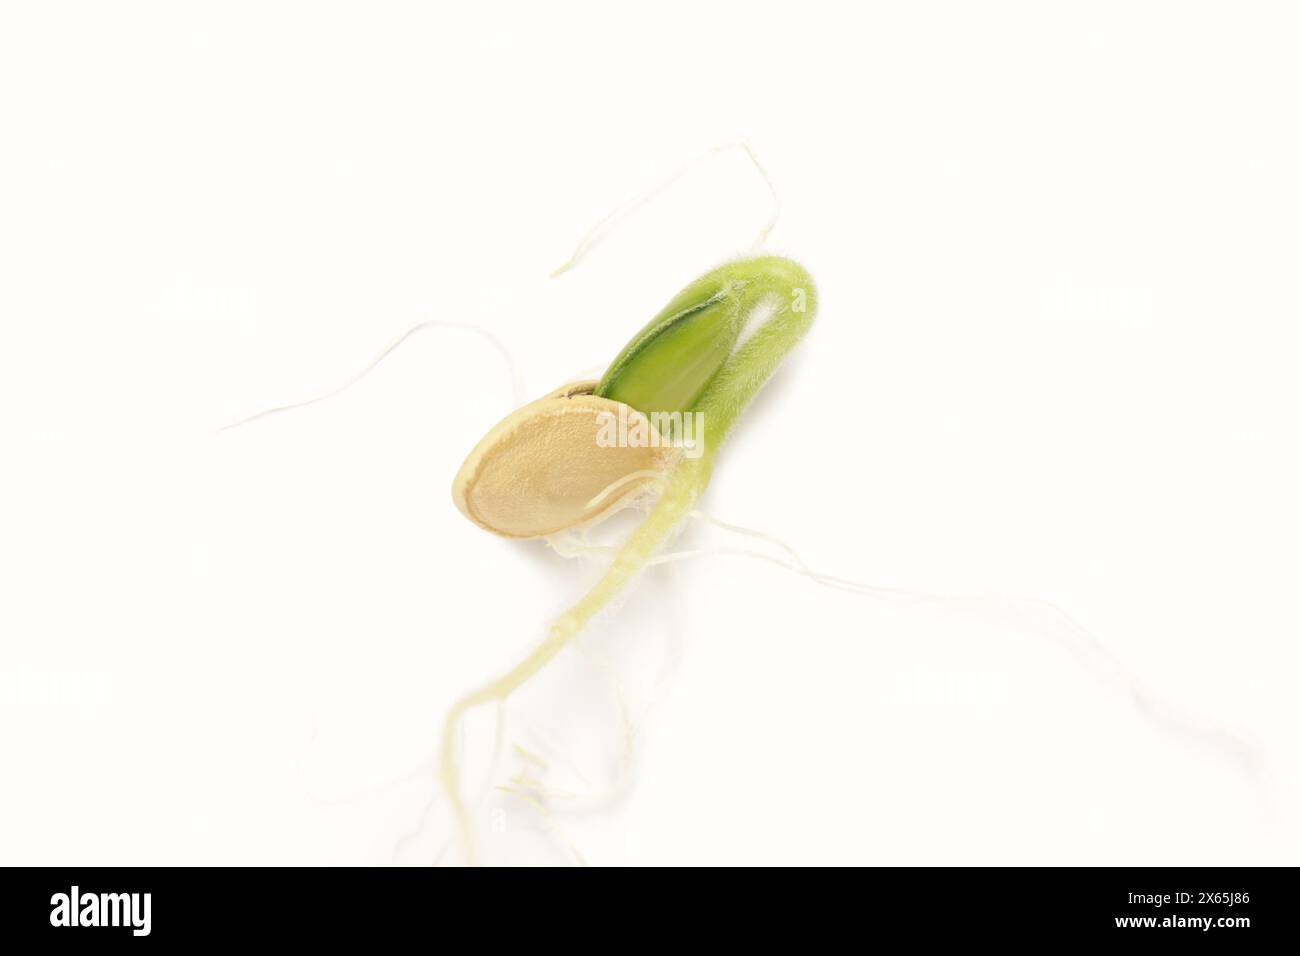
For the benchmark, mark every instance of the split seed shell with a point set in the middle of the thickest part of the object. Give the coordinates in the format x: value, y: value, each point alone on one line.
x: 541, y: 470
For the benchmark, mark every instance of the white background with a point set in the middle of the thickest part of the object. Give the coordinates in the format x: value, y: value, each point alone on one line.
x: 1056, y: 246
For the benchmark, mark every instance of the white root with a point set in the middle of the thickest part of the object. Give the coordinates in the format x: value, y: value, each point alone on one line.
x: 516, y: 377
x: 601, y: 230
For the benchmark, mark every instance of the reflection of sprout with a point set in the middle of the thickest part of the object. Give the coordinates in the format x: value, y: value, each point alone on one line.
x: 541, y: 470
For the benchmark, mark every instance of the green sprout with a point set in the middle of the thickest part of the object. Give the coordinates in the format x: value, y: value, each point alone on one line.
x: 708, y: 352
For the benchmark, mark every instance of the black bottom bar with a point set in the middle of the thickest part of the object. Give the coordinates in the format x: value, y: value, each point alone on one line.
x: 1227, y: 906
